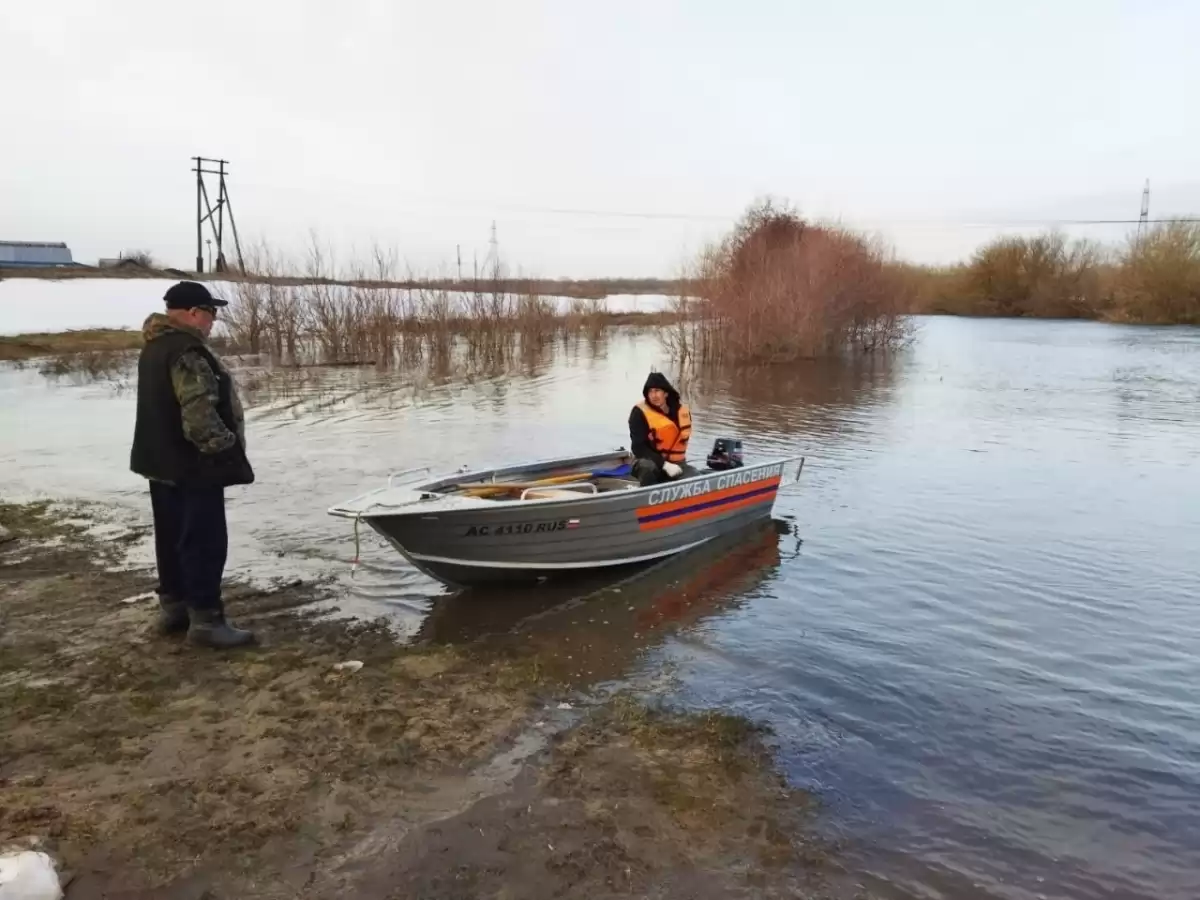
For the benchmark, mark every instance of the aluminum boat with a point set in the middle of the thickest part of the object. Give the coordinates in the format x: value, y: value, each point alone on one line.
x: 549, y: 518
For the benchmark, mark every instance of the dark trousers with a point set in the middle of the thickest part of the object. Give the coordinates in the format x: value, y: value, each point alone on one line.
x: 190, y: 542
x: 647, y: 473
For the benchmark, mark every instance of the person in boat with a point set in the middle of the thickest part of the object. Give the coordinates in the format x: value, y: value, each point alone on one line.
x: 189, y: 443
x: 659, y: 429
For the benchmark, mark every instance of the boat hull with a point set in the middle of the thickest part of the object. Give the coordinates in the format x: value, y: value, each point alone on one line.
x: 505, y: 542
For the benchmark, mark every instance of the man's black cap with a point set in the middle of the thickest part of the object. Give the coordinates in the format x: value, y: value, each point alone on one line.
x: 189, y: 295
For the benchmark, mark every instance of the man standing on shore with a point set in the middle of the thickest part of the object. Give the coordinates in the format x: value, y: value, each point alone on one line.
x: 189, y: 442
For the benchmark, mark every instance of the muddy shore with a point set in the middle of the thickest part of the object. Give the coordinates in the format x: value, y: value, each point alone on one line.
x: 153, y: 769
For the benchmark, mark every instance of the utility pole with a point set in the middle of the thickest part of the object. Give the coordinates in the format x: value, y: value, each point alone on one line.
x: 220, y: 215
x: 214, y: 215
x: 458, y: 251
x: 1144, y: 217
x: 494, y: 253
x: 199, y: 216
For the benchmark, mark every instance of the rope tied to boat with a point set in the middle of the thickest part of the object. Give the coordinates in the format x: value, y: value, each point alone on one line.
x: 357, y: 546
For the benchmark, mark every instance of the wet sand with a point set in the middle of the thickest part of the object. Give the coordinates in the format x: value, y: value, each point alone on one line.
x: 154, y: 769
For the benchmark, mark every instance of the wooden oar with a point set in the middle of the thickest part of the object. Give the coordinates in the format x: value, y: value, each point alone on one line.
x: 488, y: 490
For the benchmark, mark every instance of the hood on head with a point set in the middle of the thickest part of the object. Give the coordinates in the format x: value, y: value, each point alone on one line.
x: 659, y: 380
x: 158, y: 324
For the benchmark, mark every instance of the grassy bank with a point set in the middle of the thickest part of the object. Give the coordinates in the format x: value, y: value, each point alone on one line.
x: 95, y: 340
x: 435, y: 771
x: 74, y: 273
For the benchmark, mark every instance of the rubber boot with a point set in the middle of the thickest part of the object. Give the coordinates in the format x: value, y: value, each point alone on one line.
x: 172, y: 616
x: 209, y: 629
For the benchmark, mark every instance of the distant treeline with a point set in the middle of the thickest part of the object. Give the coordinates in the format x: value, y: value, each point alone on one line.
x: 1154, y: 278
x: 779, y: 286
x: 584, y: 289
x: 577, y: 288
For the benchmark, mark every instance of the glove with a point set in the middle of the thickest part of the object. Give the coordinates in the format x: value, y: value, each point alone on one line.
x: 672, y: 470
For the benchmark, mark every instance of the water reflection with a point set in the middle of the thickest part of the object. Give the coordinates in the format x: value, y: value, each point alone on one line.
x: 115, y: 367
x: 278, y: 389
x: 597, y: 628
x: 812, y: 396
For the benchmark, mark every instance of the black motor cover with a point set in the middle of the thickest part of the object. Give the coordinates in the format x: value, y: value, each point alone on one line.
x: 726, y: 454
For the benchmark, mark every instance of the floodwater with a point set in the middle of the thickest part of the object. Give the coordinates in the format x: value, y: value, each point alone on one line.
x: 975, y: 626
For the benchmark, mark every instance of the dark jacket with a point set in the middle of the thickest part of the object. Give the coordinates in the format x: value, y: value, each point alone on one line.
x: 189, y: 421
x: 639, y: 428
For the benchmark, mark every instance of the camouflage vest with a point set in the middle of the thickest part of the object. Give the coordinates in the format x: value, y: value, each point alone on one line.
x: 160, y: 449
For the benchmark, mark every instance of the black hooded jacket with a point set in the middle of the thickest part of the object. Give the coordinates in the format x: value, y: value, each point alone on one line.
x: 639, y: 428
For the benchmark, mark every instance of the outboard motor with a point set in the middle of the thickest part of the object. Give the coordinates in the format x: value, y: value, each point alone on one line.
x: 726, y: 454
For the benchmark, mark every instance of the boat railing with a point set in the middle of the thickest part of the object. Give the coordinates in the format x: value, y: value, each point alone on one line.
x: 405, y: 473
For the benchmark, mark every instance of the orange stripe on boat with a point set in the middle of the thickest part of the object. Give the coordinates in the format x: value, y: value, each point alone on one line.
x: 711, y: 495
x: 702, y: 506
x: 705, y: 513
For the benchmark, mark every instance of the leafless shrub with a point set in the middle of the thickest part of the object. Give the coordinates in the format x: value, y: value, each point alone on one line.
x: 586, y: 314
x: 1045, y: 275
x: 779, y: 288
x: 86, y: 364
x: 370, y: 311
x: 1158, y: 276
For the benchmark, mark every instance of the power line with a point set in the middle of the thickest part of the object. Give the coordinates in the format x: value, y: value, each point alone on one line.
x: 889, y: 223
x: 710, y: 217
x: 1033, y: 223
x: 443, y: 207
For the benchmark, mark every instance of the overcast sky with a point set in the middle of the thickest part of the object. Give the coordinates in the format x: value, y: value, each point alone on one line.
x: 417, y: 124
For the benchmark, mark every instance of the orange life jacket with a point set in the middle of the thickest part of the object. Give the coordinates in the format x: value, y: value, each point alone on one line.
x: 669, y: 439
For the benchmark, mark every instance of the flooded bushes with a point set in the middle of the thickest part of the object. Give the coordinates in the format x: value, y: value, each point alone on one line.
x: 342, y: 323
x: 779, y: 288
x: 367, y: 317
x: 1153, y: 278
x: 87, y: 364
